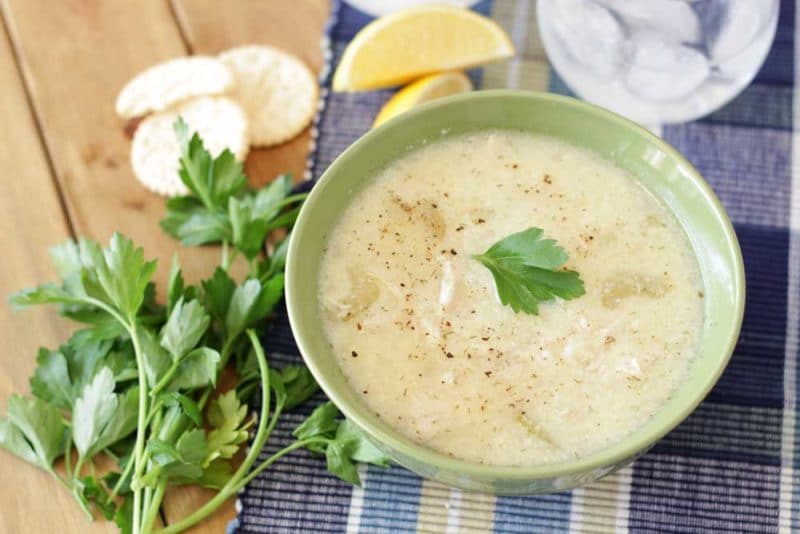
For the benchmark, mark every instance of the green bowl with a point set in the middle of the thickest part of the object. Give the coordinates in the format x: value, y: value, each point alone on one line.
x: 650, y: 160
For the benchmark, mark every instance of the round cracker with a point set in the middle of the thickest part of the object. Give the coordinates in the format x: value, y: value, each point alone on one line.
x: 277, y: 91
x: 163, y: 85
x: 219, y: 121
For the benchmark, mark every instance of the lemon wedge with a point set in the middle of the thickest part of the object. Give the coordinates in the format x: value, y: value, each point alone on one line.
x: 423, y: 90
x: 408, y: 44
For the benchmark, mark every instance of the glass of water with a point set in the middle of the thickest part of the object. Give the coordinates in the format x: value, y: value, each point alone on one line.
x: 657, y: 61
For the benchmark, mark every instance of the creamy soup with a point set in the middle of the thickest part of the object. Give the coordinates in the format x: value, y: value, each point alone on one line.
x: 418, y: 329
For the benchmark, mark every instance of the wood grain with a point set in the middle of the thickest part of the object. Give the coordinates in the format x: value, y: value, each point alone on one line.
x: 75, y: 55
x: 31, y: 220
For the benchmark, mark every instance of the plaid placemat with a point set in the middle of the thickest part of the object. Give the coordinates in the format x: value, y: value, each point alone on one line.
x: 731, y: 466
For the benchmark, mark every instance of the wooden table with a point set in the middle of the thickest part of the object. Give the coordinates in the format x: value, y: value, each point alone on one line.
x: 66, y: 173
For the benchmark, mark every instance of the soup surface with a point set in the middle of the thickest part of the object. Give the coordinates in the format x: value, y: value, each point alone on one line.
x: 418, y: 330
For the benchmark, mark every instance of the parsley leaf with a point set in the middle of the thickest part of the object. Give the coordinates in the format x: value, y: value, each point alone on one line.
x: 272, y: 198
x: 12, y: 438
x: 124, y: 274
x: 175, y: 284
x: 192, y: 449
x: 193, y: 224
x: 156, y: 359
x: 122, y: 363
x: 215, y: 475
x: 526, y: 271
x: 124, y: 516
x: 116, y: 276
x: 251, y: 302
x: 212, y: 180
x: 33, y: 430
x: 44, y: 294
x: 85, y: 355
x: 292, y: 385
x: 184, y: 459
x: 202, y: 217
x: 345, y: 444
x: 249, y: 229
x: 122, y: 421
x: 348, y: 447
x: 190, y: 407
x: 89, y: 490
x: 61, y: 374
x: 340, y: 464
x: 277, y: 261
x: 321, y: 422
x: 218, y: 291
x: 359, y: 447
x: 226, y: 414
x: 103, y: 327
x: 186, y: 325
x: 93, y: 410
x: 51, y: 381
x: 220, y: 207
x: 70, y: 259
x: 299, y: 385
x: 196, y: 369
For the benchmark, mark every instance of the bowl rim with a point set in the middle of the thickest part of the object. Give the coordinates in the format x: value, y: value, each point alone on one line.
x: 616, y: 453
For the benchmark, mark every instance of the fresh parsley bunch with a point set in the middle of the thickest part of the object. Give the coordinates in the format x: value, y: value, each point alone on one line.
x: 138, y: 381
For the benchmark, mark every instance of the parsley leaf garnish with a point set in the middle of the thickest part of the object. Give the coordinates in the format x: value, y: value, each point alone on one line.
x: 527, y: 270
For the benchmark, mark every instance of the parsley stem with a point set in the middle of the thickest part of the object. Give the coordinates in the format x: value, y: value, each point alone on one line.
x: 122, y: 478
x: 227, y: 255
x: 154, y: 505
x: 154, y: 410
x: 203, y: 399
x: 147, y: 497
x: 252, y: 455
x: 82, y: 503
x: 61, y: 479
x: 276, y: 414
x: 74, y: 492
x: 166, y: 378
x: 235, y: 484
x: 109, y: 310
x: 261, y: 436
x: 141, y: 427
x: 234, y: 253
x: 78, y: 466
x: 227, y: 347
x: 291, y: 199
x: 137, y: 509
x: 74, y: 489
x: 68, y: 457
x: 299, y: 444
x: 154, y: 430
x: 224, y: 260
x: 108, y: 452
